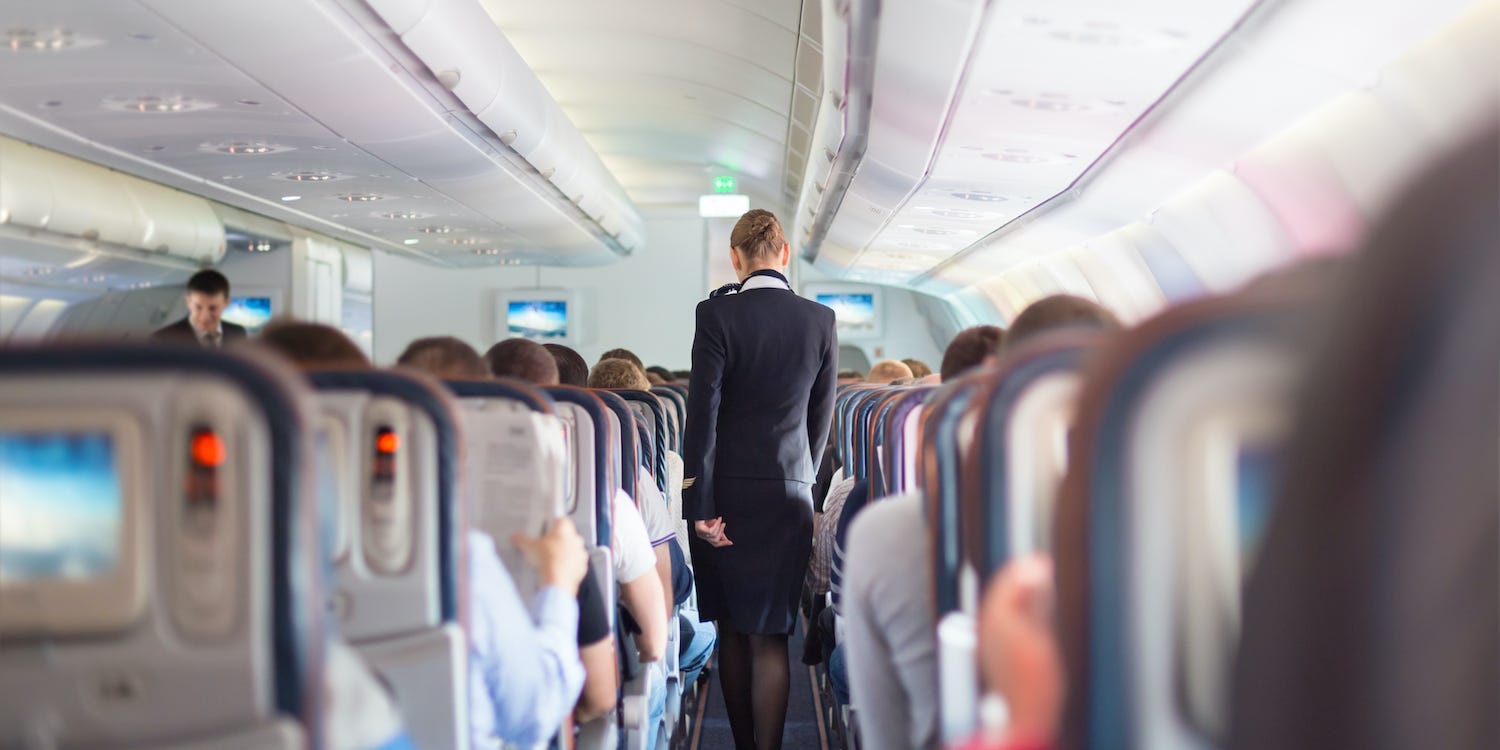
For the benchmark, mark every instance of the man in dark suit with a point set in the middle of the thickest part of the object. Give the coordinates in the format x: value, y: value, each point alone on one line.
x: 207, y: 296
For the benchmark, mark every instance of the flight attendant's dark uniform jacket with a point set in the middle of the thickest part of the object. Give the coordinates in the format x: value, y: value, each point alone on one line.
x: 760, y: 402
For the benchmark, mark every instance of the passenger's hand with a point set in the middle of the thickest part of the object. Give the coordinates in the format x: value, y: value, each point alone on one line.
x: 1018, y: 651
x: 558, y: 556
x: 713, y: 532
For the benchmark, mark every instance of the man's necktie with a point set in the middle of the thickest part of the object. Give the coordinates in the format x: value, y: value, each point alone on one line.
x: 213, y: 339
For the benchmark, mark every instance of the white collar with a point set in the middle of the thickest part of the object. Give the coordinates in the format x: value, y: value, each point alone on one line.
x: 764, y: 282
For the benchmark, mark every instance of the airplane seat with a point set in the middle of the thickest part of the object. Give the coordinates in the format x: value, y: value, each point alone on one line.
x: 1379, y: 562
x: 947, y: 436
x: 160, y: 582
x: 654, y: 420
x: 634, y: 710
x: 1180, y: 425
x: 515, y: 464
x: 400, y: 542
x: 677, y: 401
x: 592, y: 442
x: 651, y: 427
x: 900, y: 440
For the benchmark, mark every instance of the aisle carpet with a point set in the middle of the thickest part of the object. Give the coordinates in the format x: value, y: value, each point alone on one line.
x: 801, y: 718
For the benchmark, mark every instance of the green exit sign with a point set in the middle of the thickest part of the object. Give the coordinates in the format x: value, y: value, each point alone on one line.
x: 723, y: 184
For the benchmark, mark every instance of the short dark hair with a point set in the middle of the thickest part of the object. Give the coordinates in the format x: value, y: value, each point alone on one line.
x: 919, y: 369
x: 524, y: 359
x: 968, y: 349
x: 572, y: 368
x: 618, y: 374
x: 661, y: 372
x: 1059, y: 311
x: 682, y: 375
x: 627, y: 355
x: 210, y: 282
x: 444, y: 357
x: 312, y: 344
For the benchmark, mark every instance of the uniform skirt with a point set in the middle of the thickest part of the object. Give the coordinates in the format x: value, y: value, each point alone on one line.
x: 755, y: 584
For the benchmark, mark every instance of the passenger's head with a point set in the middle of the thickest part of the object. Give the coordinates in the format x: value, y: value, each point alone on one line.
x: 654, y: 378
x: 969, y: 349
x: 625, y: 354
x: 888, y: 370
x: 571, y: 367
x: 757, y: 243
x: 312, y: 345
x: 682, y: 376
x: 207, y: 296
x: 1059, y: 311
x: 523, y: 359
x: 618, y: 374
x: 849, y: 377
x: 445, y: 358
x: 661, y: 372
x: 919, y: 369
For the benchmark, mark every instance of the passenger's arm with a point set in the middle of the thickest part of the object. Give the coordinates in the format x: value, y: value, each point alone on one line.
x: 643, y: 598
x: 891, y: 648
x: 820, y: 402
x: 664, y: 572
x: 527, y: 657
x: 600, y: 686
x: 702, y: 419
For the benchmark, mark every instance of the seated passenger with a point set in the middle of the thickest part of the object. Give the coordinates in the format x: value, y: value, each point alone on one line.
x: 661, y: 372
x: 919, y: 369
x: 885, y: 372
x: 1059, y: 311
x: 627, y: 355
x: 445, y: 358
x: 850, y: 377
x: 886, y: 583
x: 621, y: 374
x: 524, y: 360
x: 970, y: 348
x: 533, y: 647
x: 312, y: 346
x: 1019, y: 657
x: 448, y: 358
x: 571, y: 367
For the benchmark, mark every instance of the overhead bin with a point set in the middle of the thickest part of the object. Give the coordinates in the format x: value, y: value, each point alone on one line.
x: 461, y: 45
x: 47, y: 191
x: 433, y: 91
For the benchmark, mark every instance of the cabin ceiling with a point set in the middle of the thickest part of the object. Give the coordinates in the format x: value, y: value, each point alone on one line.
x: 311, y: 113
x: 673, y: 93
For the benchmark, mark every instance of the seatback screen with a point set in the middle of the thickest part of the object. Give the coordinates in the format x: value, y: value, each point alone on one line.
x: 60, y: 507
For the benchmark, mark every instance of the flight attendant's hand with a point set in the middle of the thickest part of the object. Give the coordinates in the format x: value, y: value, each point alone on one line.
x: 713, y: 532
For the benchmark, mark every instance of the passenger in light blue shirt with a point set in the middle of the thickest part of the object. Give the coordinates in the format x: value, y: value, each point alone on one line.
x: 524, y: 671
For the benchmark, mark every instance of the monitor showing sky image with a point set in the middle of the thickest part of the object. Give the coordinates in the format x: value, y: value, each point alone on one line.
x: 60, y: 507
x: 537, y: 319
x: 250, y: 312
x: 855, y: 311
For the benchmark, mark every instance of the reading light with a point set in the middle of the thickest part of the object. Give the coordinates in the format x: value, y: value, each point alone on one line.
x: 718, y: 206
x: 207, y: 448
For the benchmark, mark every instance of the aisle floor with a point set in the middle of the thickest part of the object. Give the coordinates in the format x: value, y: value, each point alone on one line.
x: 802, y: 730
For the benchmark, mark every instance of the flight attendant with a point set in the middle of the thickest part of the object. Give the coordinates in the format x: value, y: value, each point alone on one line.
x: 765, y: 365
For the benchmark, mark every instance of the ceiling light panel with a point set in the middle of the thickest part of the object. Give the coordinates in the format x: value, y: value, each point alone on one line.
x: 1049, y: 89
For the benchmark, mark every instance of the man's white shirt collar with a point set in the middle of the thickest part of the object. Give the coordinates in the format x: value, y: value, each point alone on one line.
x: 764, y: 282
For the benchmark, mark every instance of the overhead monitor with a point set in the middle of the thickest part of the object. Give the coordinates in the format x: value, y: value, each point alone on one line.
x: 858, y: 309
x: 252, y: 308
x: 69, y: 496
x: 542, y: 315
